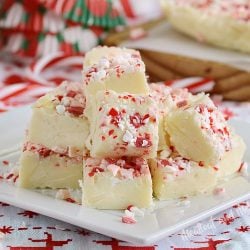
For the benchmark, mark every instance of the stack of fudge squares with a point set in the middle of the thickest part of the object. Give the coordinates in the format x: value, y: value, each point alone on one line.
x: 126, y: 140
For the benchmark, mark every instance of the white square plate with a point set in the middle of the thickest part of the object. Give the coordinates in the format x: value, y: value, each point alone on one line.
x: 165, y: 219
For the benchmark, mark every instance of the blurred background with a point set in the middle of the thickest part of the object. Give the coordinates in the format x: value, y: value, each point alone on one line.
x: 42, y: 42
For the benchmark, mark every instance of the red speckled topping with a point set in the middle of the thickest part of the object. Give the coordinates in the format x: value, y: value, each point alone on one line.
x: 124, y: 168
x: 167, y: 98
x: 213, y: 122
x: 43, y: 152
x: 68, y: 98
x: 237, y: 9
x: 174, y: 165
x: 114, y: 66
x: 127, y: 121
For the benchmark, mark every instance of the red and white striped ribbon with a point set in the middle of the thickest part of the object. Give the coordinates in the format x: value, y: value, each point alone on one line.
x: 193, y: 84
x: 23, y: 84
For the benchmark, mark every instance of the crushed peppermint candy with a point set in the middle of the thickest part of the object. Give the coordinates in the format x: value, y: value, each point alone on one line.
x: 99, y: 75
x: 128, y: 137
x: 136, y: 211
x: 127, y: 123
x: 62, y: 194
x: 219, y: 191
x: 66, y: 101
x: 130, y: 213
x: 144, y: 143
x: 128, y: 220
x: 127, y: 173
x: 68, y: 98
x: 215, y: 127
x: 236, y: 9
x: 175, y: 166
x: 128, y: 217
x: 113, y: 66
x: 125, y: 168
x: 67, y: 195
x: 113, y: 169
x: 60, y: 109
x: 73, y: 153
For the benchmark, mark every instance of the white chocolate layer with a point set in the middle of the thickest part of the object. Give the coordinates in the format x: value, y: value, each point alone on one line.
x: 123, y: 125
x: 96, y: 54
x: 231, y: 160
x: 58, y: 119
x: 54, y: 130
x: 178, y: 177
x: 167, y: 99
x: 53, y: 171
x: 116, y: 184
x: 119, y: 70
x: 199, y: 132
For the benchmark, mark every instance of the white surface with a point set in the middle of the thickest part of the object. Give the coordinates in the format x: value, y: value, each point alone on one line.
x: 167, y: 217
x: 163, y: 38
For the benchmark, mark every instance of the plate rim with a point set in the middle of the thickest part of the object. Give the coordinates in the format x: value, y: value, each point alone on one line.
x: 151, y: 239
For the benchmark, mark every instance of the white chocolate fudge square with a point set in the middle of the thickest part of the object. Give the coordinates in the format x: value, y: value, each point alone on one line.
x: 43, y: 168
x: 177, y: 177
x: 58, y: 119
x: 116, y: 183
x: 231, y: 160
x: 199, y: 132
x: 167, y: 99
x: 162, y: 96
x: 124, y: 72
x: 97, y: 53
x: 123, y: 125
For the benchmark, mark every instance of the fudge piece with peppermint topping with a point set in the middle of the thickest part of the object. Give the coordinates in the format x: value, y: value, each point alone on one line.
x: 176, y: 177
x: 123, y: 125
x: 199, y: 132
x: 94, y: 55
x: 120, y: 70
x: 55, y: 140
x: 232, y: 160
x: 58, y: 119
x: 167, y: 99
x: 42, y: 167
x: 116, y: 183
